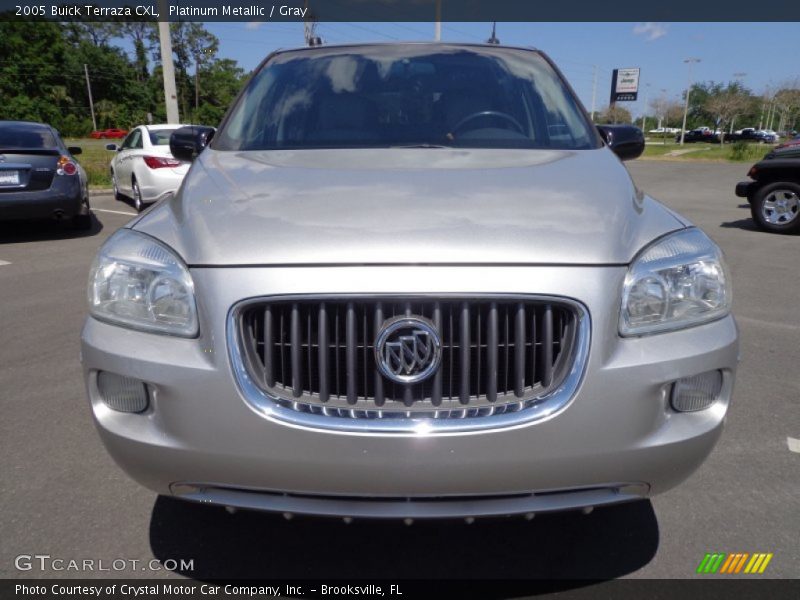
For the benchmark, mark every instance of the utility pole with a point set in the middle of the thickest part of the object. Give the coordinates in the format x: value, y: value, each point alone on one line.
x: 690, y: 62
x: 594, y: 90
x: 167, y: 67
x: 91, y: 102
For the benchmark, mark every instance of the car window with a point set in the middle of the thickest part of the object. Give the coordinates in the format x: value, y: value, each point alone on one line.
x: 129, y: 141
x: 133, y: 141
x: 160, y: 137
x: 405, y: 96
x: 27, y: 136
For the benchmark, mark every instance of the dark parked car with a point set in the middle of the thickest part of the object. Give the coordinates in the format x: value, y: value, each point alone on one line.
x: 39, y: 176
x: 751, y: 134
x: 792, y: 143
x: 774, y: 190
x: 702, y: 134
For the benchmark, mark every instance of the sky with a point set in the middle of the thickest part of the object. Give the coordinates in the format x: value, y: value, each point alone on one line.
x: 760, y: 55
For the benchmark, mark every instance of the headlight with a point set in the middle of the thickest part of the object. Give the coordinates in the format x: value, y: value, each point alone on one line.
x: 678, y: 281
x: 139, y: 282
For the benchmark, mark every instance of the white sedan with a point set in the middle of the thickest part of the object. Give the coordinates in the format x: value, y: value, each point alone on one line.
x: 143, y: 167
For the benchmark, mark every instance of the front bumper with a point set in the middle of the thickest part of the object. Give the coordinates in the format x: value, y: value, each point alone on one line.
x: 745, y: 188
x: 617, y: 439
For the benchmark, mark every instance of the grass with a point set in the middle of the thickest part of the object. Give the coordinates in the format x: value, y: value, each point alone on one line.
x: 95, y: 159
x: 743, y: 152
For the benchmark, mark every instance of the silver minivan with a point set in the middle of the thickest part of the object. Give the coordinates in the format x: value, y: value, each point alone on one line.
x: 409, y: 281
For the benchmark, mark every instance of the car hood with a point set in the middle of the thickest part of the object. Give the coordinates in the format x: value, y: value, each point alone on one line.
x: 408, y: 206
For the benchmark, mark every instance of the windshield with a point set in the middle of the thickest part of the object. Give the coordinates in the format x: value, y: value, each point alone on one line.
x: 406, y: 95
x: 26, y: 136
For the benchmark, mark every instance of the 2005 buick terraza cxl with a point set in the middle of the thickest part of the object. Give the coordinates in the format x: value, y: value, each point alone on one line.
x: 409, y: 280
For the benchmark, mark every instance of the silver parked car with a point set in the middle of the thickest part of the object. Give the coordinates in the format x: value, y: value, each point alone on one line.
x: 409, y: 280
x: 143, y: 168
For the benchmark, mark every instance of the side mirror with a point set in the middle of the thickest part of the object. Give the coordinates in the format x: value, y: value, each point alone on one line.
x: 112, y: 147
x: 188, y: 142
x: 626, y: 141
x: 74, y: 150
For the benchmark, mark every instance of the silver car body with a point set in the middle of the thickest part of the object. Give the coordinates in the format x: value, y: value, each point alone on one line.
x: 128, y: 165
x: 417, y: 222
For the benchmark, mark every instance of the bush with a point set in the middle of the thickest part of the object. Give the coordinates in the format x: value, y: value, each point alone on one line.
x: 747, y: 152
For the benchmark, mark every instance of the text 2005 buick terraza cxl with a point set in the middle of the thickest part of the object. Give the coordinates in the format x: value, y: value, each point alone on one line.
x: 409, y: 280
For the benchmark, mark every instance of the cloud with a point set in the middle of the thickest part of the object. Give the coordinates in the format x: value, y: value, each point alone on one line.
x: 253, y: 24
x: 650, y: 31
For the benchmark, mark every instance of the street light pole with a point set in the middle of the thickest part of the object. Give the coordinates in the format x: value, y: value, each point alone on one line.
x: 690, y: 62
x: 644, y: 112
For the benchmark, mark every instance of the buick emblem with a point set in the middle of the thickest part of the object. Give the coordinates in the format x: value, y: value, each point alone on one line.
x: 408, y: 349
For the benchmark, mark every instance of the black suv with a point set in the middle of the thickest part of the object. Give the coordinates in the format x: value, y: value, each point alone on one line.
x: 774, y: 190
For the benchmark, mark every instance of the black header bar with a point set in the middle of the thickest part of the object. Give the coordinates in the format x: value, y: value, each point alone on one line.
x: 403, y: 10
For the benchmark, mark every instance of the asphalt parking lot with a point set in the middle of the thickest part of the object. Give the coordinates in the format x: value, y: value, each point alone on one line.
x: 62, y: 495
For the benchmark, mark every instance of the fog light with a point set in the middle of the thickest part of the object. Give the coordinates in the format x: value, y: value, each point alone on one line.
x: 696, y: 393
x: 124, y: 394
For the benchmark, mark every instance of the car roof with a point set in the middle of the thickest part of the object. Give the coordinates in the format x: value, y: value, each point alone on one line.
x: 476, y: 46
x: 163, y: 126
x: 31, y: 124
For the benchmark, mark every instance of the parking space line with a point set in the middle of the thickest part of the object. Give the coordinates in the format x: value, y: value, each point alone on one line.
x: 4, y: 262
x: 794, y: 445
x: 116, y: 212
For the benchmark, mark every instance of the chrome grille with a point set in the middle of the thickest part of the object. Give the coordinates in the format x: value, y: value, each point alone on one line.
x: 318, y: 356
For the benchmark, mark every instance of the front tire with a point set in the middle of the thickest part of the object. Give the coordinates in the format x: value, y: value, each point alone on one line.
x: 117, y: 194
x: 138, y: 204
x: 776, y: 207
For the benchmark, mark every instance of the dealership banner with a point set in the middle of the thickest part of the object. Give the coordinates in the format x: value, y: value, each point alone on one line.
x: 399, y: 10
x: 625, y: 85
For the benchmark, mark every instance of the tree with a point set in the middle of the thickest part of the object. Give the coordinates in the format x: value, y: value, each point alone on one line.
x: 615, y: 114
x: 222, y: 81
x: 668, y: 111
x: 713, y: 103
x: 787, y: 101
x: 46, y: 82
x: 202, y: 46
x: 99, y: 34
x: 144, y: 36
x: 27, y: 81
x: 192, y: 44
x: 726, y: 106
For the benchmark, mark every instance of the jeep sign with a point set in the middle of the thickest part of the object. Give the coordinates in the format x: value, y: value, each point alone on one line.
x: 625, y: 85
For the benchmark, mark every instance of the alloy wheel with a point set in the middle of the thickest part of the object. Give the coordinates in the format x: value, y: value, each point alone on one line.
x: 780, y: 207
